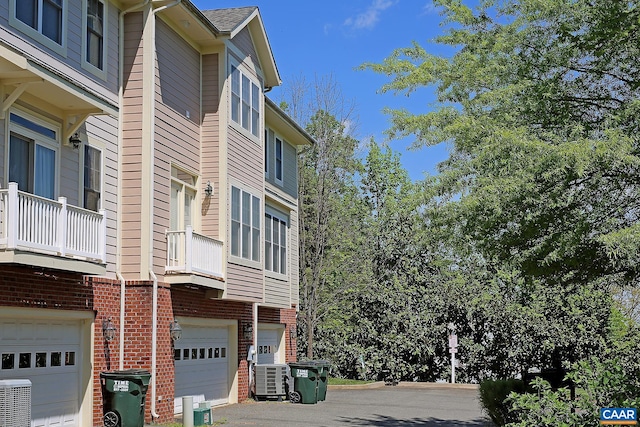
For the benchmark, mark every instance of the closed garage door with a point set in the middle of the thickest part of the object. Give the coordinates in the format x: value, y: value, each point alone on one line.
x: 46, y: 352
x: 202, y: 365
x: 268, y: 346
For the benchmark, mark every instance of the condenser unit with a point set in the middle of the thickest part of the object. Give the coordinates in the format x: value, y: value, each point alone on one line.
x: 271, y: 380
x: 15, y: 403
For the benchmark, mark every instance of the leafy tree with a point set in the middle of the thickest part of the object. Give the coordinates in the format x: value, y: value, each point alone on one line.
x: 539, y: 104
x: 325, y: 220
x: 392, y: 314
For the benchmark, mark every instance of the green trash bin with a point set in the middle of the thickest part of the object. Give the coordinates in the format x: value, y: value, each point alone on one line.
x: 123, y: 397
x: 323, y: 378
x: 305, y: 382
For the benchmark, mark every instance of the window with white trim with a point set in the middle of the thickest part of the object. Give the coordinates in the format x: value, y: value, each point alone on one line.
x: 245, y: 101
x: 33, y: 152
x: 245, y: 224
x: 94, y: 50
x: 92, y: 177
x: 44, y: 16
x: 275, y: 244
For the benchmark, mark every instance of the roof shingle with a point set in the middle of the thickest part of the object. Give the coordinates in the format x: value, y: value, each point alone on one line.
x: 226, y: 20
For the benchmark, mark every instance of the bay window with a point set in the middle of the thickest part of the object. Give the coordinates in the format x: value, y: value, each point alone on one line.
x: 245, y: 101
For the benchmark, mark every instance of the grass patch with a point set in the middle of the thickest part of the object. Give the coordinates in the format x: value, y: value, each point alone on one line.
x: 345, y: 381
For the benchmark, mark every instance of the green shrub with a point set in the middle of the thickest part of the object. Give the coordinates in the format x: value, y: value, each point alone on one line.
x: 493, y: 395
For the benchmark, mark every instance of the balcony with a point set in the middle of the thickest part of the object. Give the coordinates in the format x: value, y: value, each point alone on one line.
x: 194, y: 259
x: 47, y: 233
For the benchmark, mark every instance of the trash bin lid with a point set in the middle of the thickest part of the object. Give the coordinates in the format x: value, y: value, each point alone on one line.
x: 303, y: 365
x: 127, y: 373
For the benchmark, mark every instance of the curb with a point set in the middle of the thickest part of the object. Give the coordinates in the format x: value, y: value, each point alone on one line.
x: 425, y: 385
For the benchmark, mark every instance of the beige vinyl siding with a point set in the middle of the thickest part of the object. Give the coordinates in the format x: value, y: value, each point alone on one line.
x: 245, y: 159
x: 289, y: 165
x: 244, y: 43
x: 290, y: 169
x: 277, y: 292
x: 177, y: 125
x: 294, y: 257
x: 269, y: 148
x: 210, y: 144
x: 105, y: 130
x: 131, y: 150
x: 68, y: 175
x: 245, y: 166
x: 3, y: 151
x: 244, y: 283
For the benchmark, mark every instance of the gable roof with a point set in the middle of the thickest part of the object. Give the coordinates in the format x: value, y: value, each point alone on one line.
x: 233, y: 20
x: 227, y: 20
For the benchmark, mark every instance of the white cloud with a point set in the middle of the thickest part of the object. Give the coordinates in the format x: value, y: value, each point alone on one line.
x: 369, y: 18
x: 429, y: 9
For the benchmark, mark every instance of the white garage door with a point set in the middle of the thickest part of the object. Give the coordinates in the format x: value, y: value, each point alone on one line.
x: 267, y: 346
x: 202, y: 366
x: 46, y: 352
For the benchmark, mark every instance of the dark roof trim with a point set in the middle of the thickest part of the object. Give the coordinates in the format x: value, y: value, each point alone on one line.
x: 285, y: 117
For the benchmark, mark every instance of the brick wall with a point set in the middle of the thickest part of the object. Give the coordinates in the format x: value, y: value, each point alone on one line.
x: 29, y: 287
x: 137, y: 340
x: 40, y: 288
x: 286, y: 317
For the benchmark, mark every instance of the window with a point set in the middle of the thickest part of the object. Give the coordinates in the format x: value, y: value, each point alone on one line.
x: 278, y: 159
x: 266, y: 153
x: 245, y: 225
x: 275, y: 244
x: 245, y: 101
x: 44, y: 16
x: 92, y: 178
x: 32, y: 156
x: 95, y: 36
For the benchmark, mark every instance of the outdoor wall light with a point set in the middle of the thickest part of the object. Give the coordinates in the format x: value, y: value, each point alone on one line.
x: 175, y: 330
x: 247, y: 331
x: 108, y: 330
x: 208, y: 189
x: 75, y: 140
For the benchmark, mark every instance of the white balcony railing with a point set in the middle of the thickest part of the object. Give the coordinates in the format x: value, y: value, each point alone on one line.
x: 189, y: 252
x: 38, y: 224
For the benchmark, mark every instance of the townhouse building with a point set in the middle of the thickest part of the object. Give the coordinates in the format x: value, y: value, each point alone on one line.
x: 148, y: 203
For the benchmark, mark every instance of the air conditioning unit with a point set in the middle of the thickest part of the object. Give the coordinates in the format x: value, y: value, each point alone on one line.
x: 271, y: 380
x: 15, y: 403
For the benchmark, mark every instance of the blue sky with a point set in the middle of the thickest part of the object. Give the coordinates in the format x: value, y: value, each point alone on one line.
x: 333, y: 38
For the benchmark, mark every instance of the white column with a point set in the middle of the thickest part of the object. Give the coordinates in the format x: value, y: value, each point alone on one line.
x: 12, y: 216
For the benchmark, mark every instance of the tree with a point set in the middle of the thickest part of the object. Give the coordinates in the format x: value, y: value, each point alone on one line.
x: 540, y: 106
x: 328, y: 208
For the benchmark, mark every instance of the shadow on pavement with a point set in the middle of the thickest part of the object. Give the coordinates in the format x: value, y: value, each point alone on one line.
x: 383, y: 421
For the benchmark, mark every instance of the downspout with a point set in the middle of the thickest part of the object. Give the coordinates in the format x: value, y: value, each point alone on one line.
x: 254, y: 343
x: 154, y: 330
x: 122, y: 294
x: 154, y: 342
x: 120, y: 179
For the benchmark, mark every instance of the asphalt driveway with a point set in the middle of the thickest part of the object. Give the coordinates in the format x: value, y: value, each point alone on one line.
x: 429, y: 405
